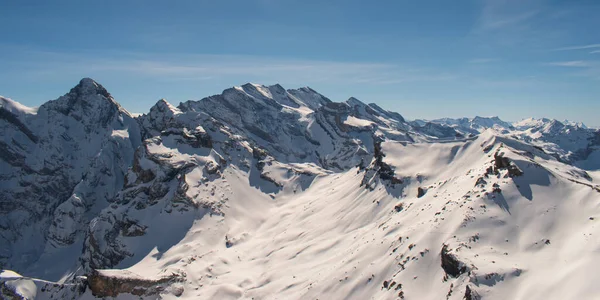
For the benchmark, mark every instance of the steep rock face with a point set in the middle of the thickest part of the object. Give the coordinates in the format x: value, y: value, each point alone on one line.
x: 60, y: 165
x: 258, y: 118
x: 157, y: 186
x: 161, y: 116
x: 378, y: 169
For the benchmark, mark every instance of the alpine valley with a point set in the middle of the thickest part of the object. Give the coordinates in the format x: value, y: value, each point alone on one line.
x: 266, y: 193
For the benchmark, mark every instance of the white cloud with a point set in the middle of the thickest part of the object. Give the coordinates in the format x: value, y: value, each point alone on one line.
x: 579, y: 68
x: 482, y: 60
x: 572, y: 63
x: 202, y: 67
x: 580, y: 47
x: 499, y: 14
x: 491, y: 21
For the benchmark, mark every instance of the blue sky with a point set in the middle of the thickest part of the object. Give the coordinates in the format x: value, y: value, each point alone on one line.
x: 423, y: 59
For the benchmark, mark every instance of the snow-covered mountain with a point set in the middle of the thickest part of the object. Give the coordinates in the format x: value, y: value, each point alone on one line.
x: 571, y: 142
x: 471, y: 125
x: 61, y: 164
x: 266, y: 193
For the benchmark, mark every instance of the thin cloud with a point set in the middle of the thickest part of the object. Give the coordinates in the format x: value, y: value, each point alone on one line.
x: 595, y: 51
x: 500, y: 21
x: 580, y: 47
x: 572, y: 63
x: 580, y: 68
x: 501, y: 14
x: 482, y: 60
x: 203, y: 67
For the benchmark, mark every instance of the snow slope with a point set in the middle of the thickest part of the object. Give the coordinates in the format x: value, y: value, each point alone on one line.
x: 267, y: 193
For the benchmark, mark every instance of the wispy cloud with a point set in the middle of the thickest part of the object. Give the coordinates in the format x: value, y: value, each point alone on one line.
x: 500, y: 14
x: 589, y: 69
x: 580, y: 47
x: 518, y: 82
x: 595, y: 51
x: 482, y: 60
x: 572, y: 63
x: 491, y: 21
x: 203, y: 67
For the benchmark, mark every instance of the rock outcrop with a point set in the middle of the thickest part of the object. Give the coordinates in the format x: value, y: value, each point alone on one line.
x: 450, y: 263
x: 501, y: 162
x: 111, y: 283
x: 471, y: 294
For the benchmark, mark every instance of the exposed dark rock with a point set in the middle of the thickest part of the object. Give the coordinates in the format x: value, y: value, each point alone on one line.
x: 96, y: 256
x: 198, y: 139
x: 471, y: 294
x: 514, y: 171
x: 111, y: 283
x: 143, y: 176
x: 450, y: 263
x: 501, y: 162
x: 480, y: 181
x: 10, y: 157
x: 132, y: 228
x: 399, y: 207
x: 420, y: 192
x: 496, y: 188
x: 381, y: 168
x: 259, y: 153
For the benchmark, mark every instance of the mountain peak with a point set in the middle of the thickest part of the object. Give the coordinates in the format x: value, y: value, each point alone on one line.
x: 163, y: 105
x: 574, y: 124
x: 353, y: 101
x: 251, y: 85
x: 88, y: 81
x: 88, y: 101
x: 88, y: 86
x: 309, y: 97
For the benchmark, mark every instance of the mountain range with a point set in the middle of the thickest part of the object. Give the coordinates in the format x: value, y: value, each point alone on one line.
x: 266, y: 193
